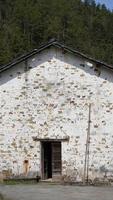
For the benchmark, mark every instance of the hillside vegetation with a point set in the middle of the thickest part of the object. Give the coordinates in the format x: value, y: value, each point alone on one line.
x: 85, y: 26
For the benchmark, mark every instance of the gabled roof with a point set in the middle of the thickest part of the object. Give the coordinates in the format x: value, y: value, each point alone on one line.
x: 57, y: 44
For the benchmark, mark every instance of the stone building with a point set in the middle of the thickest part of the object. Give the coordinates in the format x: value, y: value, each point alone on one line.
x: 56, y: 116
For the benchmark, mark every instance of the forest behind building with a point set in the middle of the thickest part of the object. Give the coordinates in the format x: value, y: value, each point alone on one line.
x: 82, y: 25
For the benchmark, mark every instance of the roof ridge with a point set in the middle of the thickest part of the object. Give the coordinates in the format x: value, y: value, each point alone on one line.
x: 56, y: 43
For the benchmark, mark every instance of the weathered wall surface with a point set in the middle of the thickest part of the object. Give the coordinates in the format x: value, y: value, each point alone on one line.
x: 48, y: 96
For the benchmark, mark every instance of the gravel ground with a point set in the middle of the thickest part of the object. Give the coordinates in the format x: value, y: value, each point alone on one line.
x: 55, y: 192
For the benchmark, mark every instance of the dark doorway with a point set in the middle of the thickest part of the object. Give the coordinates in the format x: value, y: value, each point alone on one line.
x: 47, y: 160
x: 51, y: 159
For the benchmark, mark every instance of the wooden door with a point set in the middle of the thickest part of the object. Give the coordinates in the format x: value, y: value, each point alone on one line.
x: 56, y: 159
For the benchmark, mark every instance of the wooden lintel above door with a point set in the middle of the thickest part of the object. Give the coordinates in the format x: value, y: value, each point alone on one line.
x: 65, y: 139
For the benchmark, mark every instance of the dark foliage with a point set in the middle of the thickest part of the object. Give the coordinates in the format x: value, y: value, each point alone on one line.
x: 85, y: 26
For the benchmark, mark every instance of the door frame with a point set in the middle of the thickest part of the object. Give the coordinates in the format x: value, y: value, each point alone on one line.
x: 42, y: 155
x: 42, y: 160
x: 41, y: 140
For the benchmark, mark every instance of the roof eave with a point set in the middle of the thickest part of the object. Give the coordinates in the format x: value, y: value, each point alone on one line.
x: 56, y: 44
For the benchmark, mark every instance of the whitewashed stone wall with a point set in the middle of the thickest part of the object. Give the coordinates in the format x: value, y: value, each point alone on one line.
x: 48, y: 96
